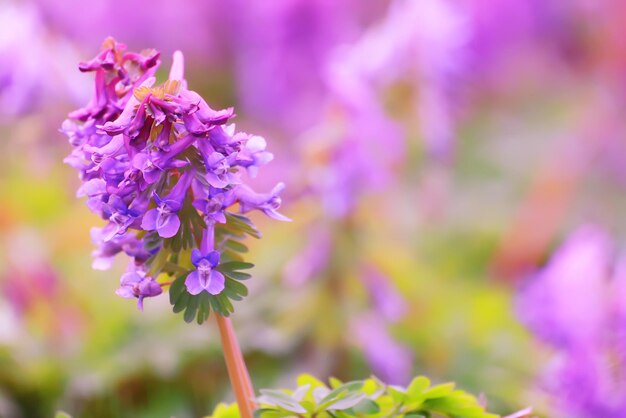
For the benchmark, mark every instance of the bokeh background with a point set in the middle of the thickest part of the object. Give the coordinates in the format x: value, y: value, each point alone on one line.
x: 455, y: 174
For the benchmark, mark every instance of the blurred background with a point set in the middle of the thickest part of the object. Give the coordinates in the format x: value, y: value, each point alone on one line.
x: 455, y: 174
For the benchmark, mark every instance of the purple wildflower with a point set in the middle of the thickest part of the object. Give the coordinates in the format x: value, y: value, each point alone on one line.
x: 205, y: 277
x: 135, y: 284
x: 386, y: 298
x: 154, y: 161
x: 213, y: 204
x: 389, y: 359
x: 164, y: 218
x: 121, y: 216
x: 574, y: 305
x: 267, y: 203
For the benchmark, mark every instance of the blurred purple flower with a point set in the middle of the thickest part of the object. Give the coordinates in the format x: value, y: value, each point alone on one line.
x: 135, y: 284
x: 390, y: 361
x: 107, y: 250
x: 30, y: 76
x: 573, y: 304
x: 564, y: 304
x: 312, y: 260
x: 203, y: 22
x: 386, y: 298
x: 423, y: 43
x: 282, y: 49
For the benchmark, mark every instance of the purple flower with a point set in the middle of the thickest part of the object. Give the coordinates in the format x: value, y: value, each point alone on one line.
x: 386, y: 298
x: 282, y: 48
x: 135, y: 284
x: 390, y: 360
x: 107, y: 250
x: 564, y: 302
x: 205, y: 277
x: 312, y: 260
x: 143, y: 151
x: 253, y: 154
x: 575, y: 305
x: 218, y: 171
x: 146, y: 165
x: 214, y: 204
x: 267, y: 203
x: 121, y: 216
x: 164, y: 218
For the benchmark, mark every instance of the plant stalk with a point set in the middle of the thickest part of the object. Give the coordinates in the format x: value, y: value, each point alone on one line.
x: 237, y: 370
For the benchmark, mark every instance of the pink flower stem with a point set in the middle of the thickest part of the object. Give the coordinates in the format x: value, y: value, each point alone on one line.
x: 237, y: 370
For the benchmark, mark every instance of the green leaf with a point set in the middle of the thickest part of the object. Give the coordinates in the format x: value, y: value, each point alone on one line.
x: 367, y: 407
x: 348, y: 401
x: 218, y: 307
x: 225, y: 303
x: 236, y: 246
x: 235, y: 286
x: 396, y: 394
x: 233, y: 266
x: 157, y: 262
x: 61, y: 414
x: 281, y: 399
x: 229, y: 255
x: 176, y: 289
x: 439, y: 391
x: 192, y: 308
x: 241, y: 223
x: 418, y: 386
x: 236, y: 275
x: 173, y: 268
x: 204, y: 307
x: 181, y: 303
x: 335, y: 383
x: 226, y: 411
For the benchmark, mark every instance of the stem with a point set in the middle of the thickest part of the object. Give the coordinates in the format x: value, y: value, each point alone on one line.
x: 237, y: 371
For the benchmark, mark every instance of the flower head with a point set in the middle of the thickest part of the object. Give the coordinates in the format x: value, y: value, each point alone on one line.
x: 163, y: 168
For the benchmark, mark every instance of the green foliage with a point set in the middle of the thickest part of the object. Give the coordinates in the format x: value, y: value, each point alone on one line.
x: 226, y: 411
x: 228, y: 238
x: 368, y: 398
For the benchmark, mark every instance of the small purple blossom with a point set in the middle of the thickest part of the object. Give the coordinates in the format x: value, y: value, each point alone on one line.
x: 214, y: 203
x: 205, y: 277
x: 135, y: 284
x: 164, y: 218
x: 121, y: 216
x: 389, y: 359
x: 267, y: 203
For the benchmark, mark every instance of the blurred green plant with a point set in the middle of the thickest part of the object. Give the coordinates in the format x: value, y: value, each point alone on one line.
x: 364, y: 398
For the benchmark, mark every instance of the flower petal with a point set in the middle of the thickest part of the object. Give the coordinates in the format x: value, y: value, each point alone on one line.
x: 169, y: 226
x: 149, y: 220
x: 125, y: 292
x: 216, y: 284
x: 196, y: 256
x: 214, y: 258
x: 192, y: 282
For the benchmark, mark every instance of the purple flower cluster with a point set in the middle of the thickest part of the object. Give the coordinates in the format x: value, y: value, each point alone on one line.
x: 162, y: 168
x: 576, y: 305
